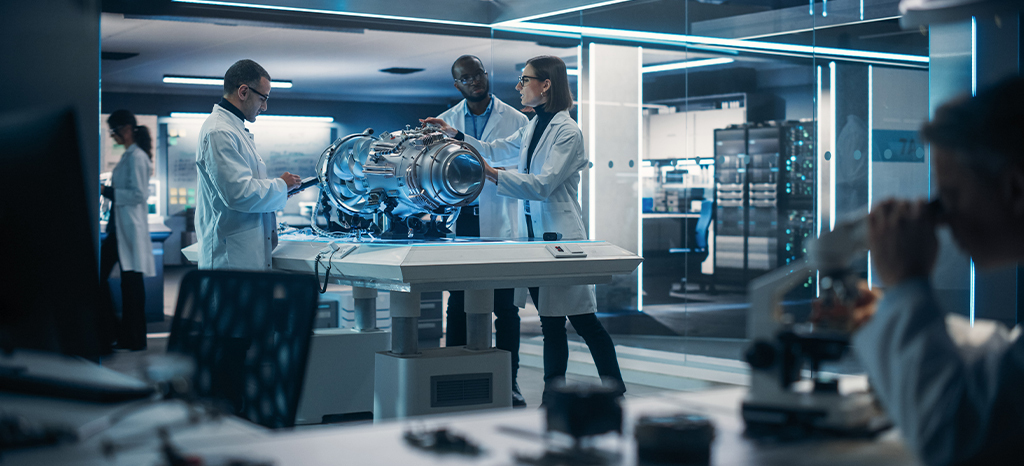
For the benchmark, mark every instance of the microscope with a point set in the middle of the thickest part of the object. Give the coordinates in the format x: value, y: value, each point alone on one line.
x: 781, y: 400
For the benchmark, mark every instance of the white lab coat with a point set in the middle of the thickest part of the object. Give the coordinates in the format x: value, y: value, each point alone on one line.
x: 551, y: 189
x: 953, y: 390
x: 130, y: 180
x: 235, y: 221
x: 497, y: 213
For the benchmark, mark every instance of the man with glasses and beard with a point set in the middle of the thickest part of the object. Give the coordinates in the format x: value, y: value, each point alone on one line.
x: 236, y: 200
x: 486, y: 118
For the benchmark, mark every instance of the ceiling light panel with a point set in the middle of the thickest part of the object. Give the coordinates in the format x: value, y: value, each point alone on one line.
x: 808, y: 51
x: 201, y: 81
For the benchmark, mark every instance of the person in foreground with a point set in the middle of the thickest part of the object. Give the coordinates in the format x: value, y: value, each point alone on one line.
x: 955, y: 392
x: 550, y: 158
x: 236, y: 200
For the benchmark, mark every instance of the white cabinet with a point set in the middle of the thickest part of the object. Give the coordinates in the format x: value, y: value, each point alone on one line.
x: 688, y: 134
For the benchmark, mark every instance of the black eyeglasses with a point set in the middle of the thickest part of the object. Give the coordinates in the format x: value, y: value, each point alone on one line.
x: 265, y: 97
x: 525, y: 79
x: 464, y: 80
x: 114, y: 131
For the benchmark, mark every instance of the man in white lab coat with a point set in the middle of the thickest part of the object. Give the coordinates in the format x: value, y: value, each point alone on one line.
x: 235, y: 220
x: 486, y: 118
x: 955, y: 392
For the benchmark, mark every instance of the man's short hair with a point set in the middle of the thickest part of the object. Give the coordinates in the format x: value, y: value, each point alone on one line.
x: 466, y: 58
x: 245, y: 72
x: 986, y: 132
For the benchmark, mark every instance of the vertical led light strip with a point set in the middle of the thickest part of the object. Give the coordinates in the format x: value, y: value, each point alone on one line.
x: 592, y: 130
x: 818, y: 152
x: 972, y: 292
x: 974, y: 56
x: 579, y: 97
x: 818, y: 157
x: 871, y: 162
x: 639, y: 177
x: 974, y: 92
x: 832, y: 146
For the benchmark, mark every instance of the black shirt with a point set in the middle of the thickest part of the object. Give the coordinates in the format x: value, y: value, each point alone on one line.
x: 543, y: 118
x: 231, y: 108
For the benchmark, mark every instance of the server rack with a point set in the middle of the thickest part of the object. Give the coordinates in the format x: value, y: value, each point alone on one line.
x: 731, y: 202
x: 765, y: 187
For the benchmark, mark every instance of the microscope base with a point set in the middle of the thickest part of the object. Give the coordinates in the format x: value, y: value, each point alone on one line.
x: 853, y: 415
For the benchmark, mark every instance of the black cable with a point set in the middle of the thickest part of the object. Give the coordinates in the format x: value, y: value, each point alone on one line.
x: 327, y: 271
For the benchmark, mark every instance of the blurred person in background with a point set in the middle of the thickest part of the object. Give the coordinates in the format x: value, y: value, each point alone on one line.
x: 127, y: 242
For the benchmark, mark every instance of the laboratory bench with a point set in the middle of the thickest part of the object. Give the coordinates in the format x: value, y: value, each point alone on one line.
x: 127, y: 433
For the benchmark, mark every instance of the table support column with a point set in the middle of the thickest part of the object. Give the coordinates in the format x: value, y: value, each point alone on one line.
x: 365, y: 300
x: 479, y: 306
x: 405, y: 318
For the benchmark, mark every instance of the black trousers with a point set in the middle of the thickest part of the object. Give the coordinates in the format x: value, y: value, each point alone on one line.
x: 506, y: 314
x: 556, y: 346
x: 131, y: 331
x: 506, y: 323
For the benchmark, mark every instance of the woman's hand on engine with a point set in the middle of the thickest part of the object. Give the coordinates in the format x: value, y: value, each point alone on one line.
x: 445, y: 127
x: 490, y: 173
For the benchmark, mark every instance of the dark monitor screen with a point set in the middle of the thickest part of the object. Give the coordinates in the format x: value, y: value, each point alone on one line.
x: 50, y: 285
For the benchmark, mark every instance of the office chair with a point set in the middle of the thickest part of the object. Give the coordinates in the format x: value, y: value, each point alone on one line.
x: 697, y: 250
x: 249, y: 335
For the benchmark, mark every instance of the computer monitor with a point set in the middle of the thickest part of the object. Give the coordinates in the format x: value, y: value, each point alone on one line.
x: 50, y: 286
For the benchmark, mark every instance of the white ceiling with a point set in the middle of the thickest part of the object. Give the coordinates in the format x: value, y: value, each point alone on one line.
x: 337, y: 65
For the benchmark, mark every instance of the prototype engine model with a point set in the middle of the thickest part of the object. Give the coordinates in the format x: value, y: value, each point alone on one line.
x: 410, y: 182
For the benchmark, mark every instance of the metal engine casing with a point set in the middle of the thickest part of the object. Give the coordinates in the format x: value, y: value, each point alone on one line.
x: 403, y: 173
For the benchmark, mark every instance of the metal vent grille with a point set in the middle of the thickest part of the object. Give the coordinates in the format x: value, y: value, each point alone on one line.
x: 461, y: 390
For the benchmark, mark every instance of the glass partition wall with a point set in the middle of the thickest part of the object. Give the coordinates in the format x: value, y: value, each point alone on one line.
x: 721, y: 138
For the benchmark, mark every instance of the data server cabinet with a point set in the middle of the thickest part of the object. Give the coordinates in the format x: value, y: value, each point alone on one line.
x: 798, y: 176
x: 731, y: 205
x: 765, y: 175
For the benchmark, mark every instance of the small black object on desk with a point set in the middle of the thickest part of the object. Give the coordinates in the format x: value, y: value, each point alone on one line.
x: 677, y: 439
x: 584, y: 410
x: 441, y: 441
x: 552, y: 236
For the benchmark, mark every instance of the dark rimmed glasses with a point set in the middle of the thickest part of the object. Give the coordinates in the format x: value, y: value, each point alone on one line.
x: 525, y: 79
x: 265, y: 97
x: 466, y: 79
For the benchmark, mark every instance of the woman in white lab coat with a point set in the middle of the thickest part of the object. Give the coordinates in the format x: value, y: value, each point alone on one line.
x: 127, y: 242
x: 550, y: 157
